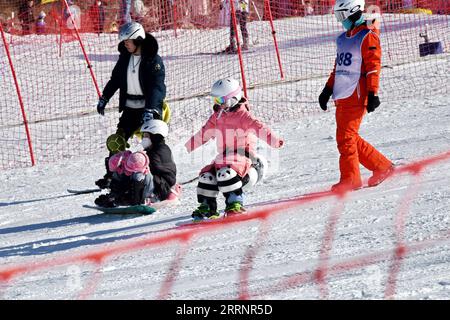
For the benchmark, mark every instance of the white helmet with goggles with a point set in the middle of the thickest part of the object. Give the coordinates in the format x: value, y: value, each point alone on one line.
x: 131, y: 31
x: 156, y: 127
x: 345, y: 8
x: 226, y: 92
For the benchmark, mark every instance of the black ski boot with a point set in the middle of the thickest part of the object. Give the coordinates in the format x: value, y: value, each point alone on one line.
x: 105, y: 201
x: 206, y: 210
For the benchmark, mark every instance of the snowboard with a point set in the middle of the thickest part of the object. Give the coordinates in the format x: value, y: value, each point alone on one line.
x: 137, y: 209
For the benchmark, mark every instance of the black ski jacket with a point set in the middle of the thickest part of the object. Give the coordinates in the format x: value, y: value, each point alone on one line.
x: 151, y: 76
x: 162, y: 167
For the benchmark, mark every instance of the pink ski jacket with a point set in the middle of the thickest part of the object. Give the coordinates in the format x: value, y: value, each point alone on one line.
x: 236, y: 132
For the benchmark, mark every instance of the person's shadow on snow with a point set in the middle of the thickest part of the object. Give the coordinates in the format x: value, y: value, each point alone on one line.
x: 52, y: 245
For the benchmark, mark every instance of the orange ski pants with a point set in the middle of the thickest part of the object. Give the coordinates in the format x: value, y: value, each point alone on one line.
x: 352, y: 148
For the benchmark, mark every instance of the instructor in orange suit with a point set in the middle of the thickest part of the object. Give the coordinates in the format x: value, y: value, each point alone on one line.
x: 354, y: 83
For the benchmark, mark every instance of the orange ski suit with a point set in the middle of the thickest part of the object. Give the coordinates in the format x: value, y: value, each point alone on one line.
x: 350, y: 111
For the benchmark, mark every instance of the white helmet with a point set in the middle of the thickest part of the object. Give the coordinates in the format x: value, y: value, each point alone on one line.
x: 131, y: 31
x: 345, y: 8
x: 41, y: 15
x: 155, y: 127
x: 226, y: 91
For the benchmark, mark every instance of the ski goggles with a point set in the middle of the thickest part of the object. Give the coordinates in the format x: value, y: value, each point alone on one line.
x: 218, y: 100
x: 341, y: 15
x: 223, y: 99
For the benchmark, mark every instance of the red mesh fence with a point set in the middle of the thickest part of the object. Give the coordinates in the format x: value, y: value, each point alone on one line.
x: 325, y: 270
x: 284, y: 68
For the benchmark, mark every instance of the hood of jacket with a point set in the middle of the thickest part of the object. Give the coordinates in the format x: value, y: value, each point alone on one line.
x: 149, y: 47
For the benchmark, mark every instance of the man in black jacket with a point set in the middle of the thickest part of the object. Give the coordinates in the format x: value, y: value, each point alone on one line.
x: 139, y: 74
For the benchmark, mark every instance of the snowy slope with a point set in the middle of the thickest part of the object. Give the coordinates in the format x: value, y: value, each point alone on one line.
x: 39, y: 222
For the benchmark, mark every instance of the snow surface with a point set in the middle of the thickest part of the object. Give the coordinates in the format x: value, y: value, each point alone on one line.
x: 40, y: 223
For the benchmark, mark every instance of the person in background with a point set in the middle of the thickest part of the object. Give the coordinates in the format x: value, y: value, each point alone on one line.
x: 408, y: 4
x: 308, y: 7
x: 40, y: 23
x: 71, y: 16
x: 125, y: 11
x: 26, y: 16
x: 138, y: 11
x: 66, y: 13
x: 242, y: 9
x: 97, y: 15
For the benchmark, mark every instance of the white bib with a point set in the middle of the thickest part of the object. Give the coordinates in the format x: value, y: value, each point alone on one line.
x: 348, y: 64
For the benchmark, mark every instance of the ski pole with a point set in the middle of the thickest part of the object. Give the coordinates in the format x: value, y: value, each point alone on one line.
x: 189, y: 181
x: 256, y: 10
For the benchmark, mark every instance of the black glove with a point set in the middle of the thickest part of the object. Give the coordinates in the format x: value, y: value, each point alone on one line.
x: 101, y: 105
x: 372, y: 102
x: 324, y: 97
x: 149, y: 114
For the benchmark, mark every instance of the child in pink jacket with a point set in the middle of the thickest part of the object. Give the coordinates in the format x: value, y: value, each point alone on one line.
x: 236, y: 132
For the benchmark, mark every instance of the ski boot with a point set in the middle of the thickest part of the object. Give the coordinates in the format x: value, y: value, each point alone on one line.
x: 231, y: 49
x: 105, y: 201
x: 245, y: 44
x: 379, y: 176
x: 204, y: 212
x: 234, y: 208
x: 346, y: 186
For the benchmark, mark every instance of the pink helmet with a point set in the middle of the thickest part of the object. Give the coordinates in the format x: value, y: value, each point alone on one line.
x: 116, y: 162
x: 136, y: 162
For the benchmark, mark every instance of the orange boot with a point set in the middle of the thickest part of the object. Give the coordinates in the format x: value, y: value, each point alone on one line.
x: 379, y: 176
x: 345, y: 186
